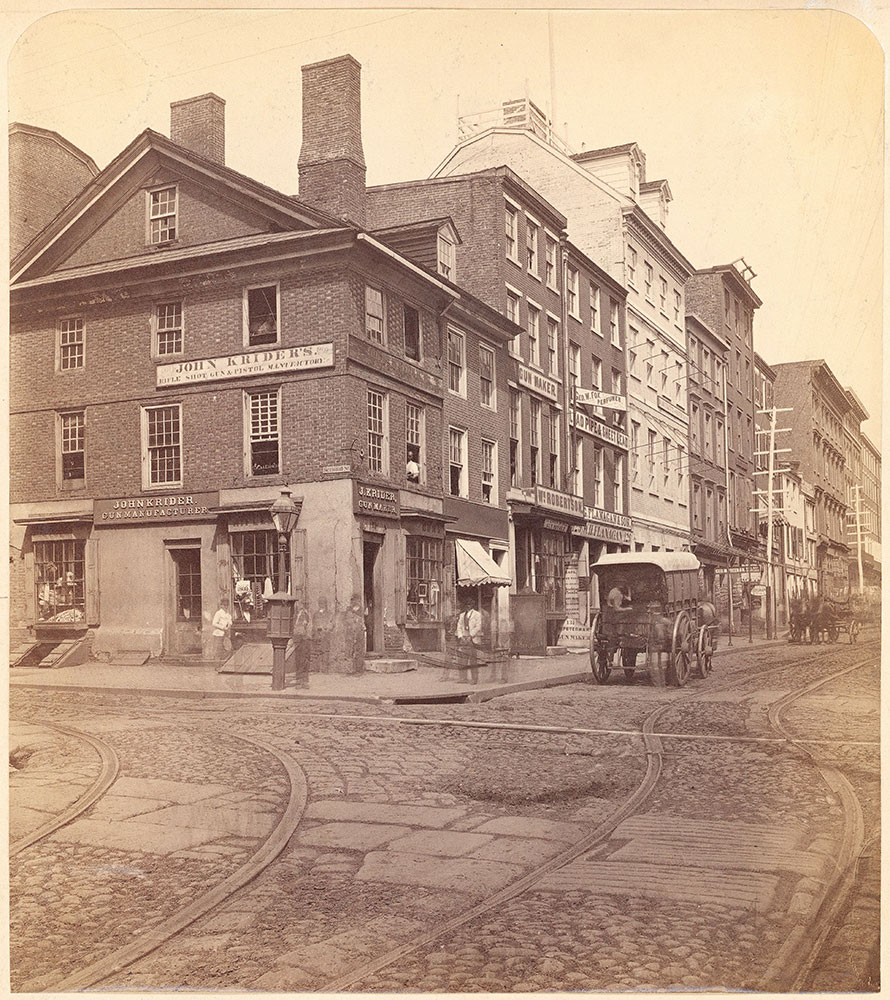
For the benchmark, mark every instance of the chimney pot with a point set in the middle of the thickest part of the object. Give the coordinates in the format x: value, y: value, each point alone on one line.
x: 199, y: 124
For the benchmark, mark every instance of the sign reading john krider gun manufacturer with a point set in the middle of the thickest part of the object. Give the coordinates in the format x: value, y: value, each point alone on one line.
x: 176, y: 507
x: 284, y: 359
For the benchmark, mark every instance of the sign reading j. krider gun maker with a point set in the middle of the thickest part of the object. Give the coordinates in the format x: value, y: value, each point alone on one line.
x: 283, y: 359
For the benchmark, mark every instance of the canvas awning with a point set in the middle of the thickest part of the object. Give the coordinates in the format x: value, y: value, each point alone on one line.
x: 475, y: 566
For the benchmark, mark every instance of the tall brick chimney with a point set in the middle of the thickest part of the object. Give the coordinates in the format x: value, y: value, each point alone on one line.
x: 332, y: 162
x: 199, y: 124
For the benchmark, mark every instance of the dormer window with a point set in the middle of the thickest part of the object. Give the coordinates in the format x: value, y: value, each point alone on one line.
x: 446, y: 256
x: 162, y: 211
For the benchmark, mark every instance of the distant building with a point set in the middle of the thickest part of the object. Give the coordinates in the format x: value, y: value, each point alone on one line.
x: 870, y: 513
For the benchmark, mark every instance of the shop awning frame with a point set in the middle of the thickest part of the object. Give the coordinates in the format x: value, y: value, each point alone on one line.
x: 475, y: 566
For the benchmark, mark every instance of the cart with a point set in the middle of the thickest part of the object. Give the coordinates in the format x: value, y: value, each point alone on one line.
x: 650, y: 603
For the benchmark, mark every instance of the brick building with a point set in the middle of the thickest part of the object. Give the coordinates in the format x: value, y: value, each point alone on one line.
x: 870, y: 513
x: 618, y: 218
x: 566, y: 471
x: 186, y: 342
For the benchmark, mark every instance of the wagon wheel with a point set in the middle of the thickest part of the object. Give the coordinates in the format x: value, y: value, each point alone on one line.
x: 681, y: 650
x: 704, y: 650
x: 832, y: 631
x: 854, y: 630
x: 599, y: 653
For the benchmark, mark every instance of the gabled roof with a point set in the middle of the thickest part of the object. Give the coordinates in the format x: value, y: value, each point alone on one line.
x: 284, y: 209
x: 419, y: 227
x: 598, y: 154
x: 20, y: 128
x: 661, y: 185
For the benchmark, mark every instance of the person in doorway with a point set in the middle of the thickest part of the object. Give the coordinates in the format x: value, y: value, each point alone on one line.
x: 302, y: 643
x: 469, y: 635
x: 222, y: 627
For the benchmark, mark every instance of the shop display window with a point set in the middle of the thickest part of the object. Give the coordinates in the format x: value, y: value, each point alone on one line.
x: 551, y: 570
x: 254, y: 572
x: 424, y: 557
x: 59, y: 571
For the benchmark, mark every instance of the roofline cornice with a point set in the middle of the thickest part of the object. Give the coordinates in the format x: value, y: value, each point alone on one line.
x: 46, y: 133
x: 657, y: 240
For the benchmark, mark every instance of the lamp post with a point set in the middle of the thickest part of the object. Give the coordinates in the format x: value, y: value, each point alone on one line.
x: 284, y: 515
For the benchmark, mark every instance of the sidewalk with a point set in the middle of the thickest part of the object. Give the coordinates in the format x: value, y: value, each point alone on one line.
x: 423, y: 684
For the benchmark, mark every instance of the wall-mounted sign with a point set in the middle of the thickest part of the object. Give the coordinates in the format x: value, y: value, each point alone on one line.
x: 140, y: 510
x: 375, y: 501
x: 607, y: 517
x: 335, y: 470
x: 600, y: 430
x: 537, y: 382
x: 276, y: 361
x: 596, y: 397
x: 602, y: 532
x: 551, y: 525
x: 563, y: 502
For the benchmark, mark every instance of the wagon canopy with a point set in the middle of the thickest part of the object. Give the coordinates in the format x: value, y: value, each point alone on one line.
x: 667, y: 561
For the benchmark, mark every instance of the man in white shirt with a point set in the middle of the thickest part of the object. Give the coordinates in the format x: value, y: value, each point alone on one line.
x: 221, y: 624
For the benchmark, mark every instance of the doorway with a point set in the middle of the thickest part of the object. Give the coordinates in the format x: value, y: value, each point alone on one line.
x: 370, y: 557
x: 186, y: 619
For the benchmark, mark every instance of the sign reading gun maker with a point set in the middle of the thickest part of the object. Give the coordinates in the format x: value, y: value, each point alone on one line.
x: 284, y: 359
x: 147, y: 510
x: 375, y: 501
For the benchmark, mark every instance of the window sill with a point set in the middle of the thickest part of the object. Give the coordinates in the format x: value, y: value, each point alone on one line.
x: 160, y: 487
x: 163, y: 246
x: 553, y: 288
x: 575, y: 316
x: 516, y: 261
x: 163, y: 359
x: 532, y: 274
x: 267, y: 345
x: 460, y: 395
x: 71, y: 485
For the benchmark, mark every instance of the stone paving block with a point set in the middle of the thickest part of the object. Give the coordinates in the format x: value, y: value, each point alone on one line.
x: 151, y: 838
x: 518, y: 850
x: 121, y: 807
x: 383, y: 812
x: 540, y: 829
x: 467, y: 875
x: 171, y: 791
x: 440, y: 843
x: 244, y: 822
x: 351, y: 836
x: 322, y: 958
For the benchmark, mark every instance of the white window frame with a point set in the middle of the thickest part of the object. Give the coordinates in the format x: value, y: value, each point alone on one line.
x: 631, y: 265
x: 511, y: 231
x: 596, y: 372
x: 515, y: 423
x: 458, y: 434
x: 248, y: 398
x: 486, y: 350
x: 552, y: 346
x: 533, y: 312
x: 459, y: 366
x: 151, y: 217
x: 445, y: 256
x: 551, y: 267
x: 157, y: 330
x: 574, y: 365
x: 618, y: 483
x: 593, y: 294
x: 372, y: 338
x: 147, y: 483
x: 599, y: 485
x: 533, y: 246
x: 534, y: 442
x: 382, y: 433
x: 554, y: 447
x: 489, y: 476
x: 663, y: 294
x: 649, y: 274
x: 245, y: 314
x: 573, y: 282
x: 80, y: 437
x: 678, y: 302
x: 418, y: 439
x: 578, y: 467
x: 614, y: 323
x: 79, y: 327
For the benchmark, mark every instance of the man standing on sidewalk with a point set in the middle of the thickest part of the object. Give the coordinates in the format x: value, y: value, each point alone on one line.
x: 222, y: 625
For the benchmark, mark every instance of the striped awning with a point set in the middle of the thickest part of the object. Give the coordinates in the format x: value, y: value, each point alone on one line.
x: 476, y: 567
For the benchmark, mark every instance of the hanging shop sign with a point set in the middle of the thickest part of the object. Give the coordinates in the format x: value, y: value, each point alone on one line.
x: 285, y: 359
x: 141, y: 510
x: 551, y: 525
x: 596, y: 397
x: 600, y: 430
x: 565, y: 503
x: 537, y: 382
x: 375, y: 501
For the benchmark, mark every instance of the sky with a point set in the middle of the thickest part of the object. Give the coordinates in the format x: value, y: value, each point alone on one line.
x: 766, y: 124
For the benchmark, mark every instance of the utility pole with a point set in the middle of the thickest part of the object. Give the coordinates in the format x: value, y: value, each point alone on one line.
x: 857, y: 492
x: 771, y: 509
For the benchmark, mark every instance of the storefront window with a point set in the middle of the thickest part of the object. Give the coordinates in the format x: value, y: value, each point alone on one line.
x: 59, y: 572
x: 551, y: 570
x: 424, y: 578
x: 255, y: 573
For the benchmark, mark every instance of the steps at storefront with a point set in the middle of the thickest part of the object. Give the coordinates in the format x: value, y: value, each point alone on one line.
x: 49, y: 653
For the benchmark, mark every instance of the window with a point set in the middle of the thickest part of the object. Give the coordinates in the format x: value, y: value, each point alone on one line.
x: 552, y: 347
x: 663, y: 294
x: 651, y: 435
x: 412, y: 332
x: 706, y: 369
x: 681, y: 471
x: 678, y: 382
x: 617, y: 382
x: 261, y: 315
x: 531, y: 246
x: 650, y: 367
x: 594, y: 294
x: 72, y: 429
x: 162, y: 215
x: 665, y: 364
x: 70, y: 344
x: 632, y: 361
x: 598, y: 483
x: 534, y: 335
x: 550, y: 262
x: 738, y: 369
x: 575, y: 366
x: 648, y: 280
x: 614, y: 328
x: 445, y: 249
x: 553, y: 467
x: 457, y: 462
x: 513, y: 307
x: 378, y: 435
x: 486, y: 376
x: 262, y: 417
x: 415, y: 431
x: 424, y: 566
x: 634, y: 450
x: 511, y: 230
x: 375, y: 322
x: 489, y: 471
x: 254, y: 561
x: 168, y: 328
x: 709, y: 513
x: 535, y: 439
x: 456, y: 367
x: 515, y: 435
x: 572, y: 291
x: 696, y: 506
x: 708, y: 435
x: 719, y: 442
x: 631, y: 265
x: 666, y: 458
x: 618, y: 484
x: 161, y: 446
x: 677, y: 306
x: 59, y: 576
x: 596, y: 373
x: 578, y: 466
x: 694, y: 423
x: 727, y: 303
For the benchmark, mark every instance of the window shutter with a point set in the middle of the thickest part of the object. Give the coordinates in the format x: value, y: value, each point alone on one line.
x: 298, y: 564
x: 30, y: 585
x: 91, y: 580
x: 400, y: 578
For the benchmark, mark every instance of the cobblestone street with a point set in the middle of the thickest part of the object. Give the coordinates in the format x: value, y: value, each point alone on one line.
x: 452, y: 847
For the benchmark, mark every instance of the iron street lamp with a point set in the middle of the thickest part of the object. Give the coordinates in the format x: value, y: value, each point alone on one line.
x: 284, y: 516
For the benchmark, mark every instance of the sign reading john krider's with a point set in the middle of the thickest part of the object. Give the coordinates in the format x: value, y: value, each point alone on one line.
x: 282, y: 359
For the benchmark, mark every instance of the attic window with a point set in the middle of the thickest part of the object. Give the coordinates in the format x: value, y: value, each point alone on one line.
x: 261, y: 315
x: 446, y: 256
x: 162, y: 215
